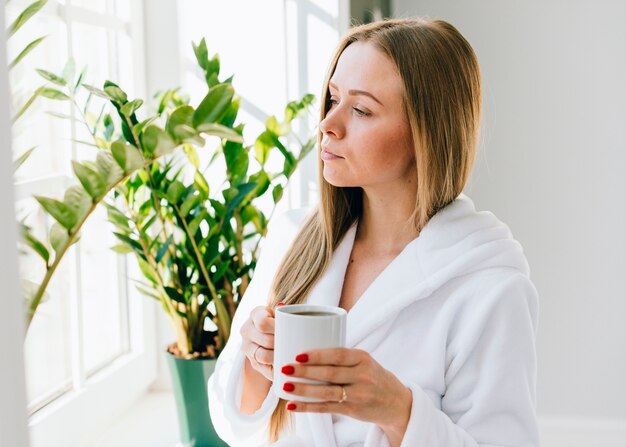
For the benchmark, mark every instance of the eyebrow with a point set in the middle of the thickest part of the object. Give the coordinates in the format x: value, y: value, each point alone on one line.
x: 357, y: 92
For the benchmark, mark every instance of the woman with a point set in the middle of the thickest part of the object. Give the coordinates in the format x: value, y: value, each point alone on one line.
x: 442, y: 314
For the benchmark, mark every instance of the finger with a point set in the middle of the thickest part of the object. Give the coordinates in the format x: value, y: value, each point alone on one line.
x: 264, y: 356
x: 332, y: 374
x: 328, y: 393
x: 266, y: 370
x: 317, y: 407
x: 250, y: 333
x: 333, y: 356
x: 263, y: 320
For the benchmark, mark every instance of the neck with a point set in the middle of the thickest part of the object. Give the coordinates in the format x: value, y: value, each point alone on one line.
x: 386, y: 224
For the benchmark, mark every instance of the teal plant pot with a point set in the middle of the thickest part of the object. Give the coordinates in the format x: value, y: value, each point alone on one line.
x: 189, y: 379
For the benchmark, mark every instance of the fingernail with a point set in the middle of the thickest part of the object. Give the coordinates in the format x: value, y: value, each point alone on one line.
x: 289, y: 387
x: 291, y: 406
x: 302, y: 358
x: 280, y: 304
x: 288, y: 369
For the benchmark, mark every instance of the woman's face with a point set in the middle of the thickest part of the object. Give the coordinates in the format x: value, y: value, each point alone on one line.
x: 366, y: 138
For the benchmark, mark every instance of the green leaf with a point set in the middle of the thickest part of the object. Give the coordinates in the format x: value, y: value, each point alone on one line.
x: 277, y: 193
x: 136, y: 246
x: 27, y: 104
x: 231, y: 113
x: 51, y: 77
x: 115, y: 93
x: 214, y: 105
x: 236, y: 197
x: 59, y: 115
x: 116, y: 217
x: 108, y: 169
x: 93, y: 183
x: 35, y: 244
x: 58, y: 237
x: 109, y: 127
x: 52, y: 93
x: 201, y: 53
x: 61, y: 212
x: 262, y: 146
x: 192, y: 155
x: 174, y: 294
x: 131, y: 107
x: 78, y: 200
x: 148, y: 271
x: 262, y: 182
x: 69, y: 71
x: 163, y: 249
x: 80, y: 78
x: 277, y: 128
x: 181, y: 115
x: 25, y: 15
x: 138, y: 128
x: 201, y: 184
x: 122, y: 249
x: 127, y: 156
x: 212, y: 70
x: 96, y: 91
x: 22, y: 158
x: 189, y: 203
x: 223, y: 319
x: 156, y: 141
x: 237, y: 161
x: 288, y: 155
x: 195, y: 223
x: 175, y: 192
x: 30, y: 47
x: 220, y: 270
x: 221, y: 131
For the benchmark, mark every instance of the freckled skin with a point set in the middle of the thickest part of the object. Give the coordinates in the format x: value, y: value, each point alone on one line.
x: 376, y: 148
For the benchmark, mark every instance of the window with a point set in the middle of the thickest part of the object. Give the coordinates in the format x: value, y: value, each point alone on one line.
x: 87, y: 337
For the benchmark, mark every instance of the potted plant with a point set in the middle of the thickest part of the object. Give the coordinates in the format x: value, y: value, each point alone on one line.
x: 196, y: 247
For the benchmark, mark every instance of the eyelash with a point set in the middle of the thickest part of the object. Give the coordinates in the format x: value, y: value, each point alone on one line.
x: 358, y: 111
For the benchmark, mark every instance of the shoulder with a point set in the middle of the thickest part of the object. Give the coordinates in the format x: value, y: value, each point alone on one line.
x: 504, y: 294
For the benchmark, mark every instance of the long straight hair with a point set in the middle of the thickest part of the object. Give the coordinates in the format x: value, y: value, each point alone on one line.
x: 442, y: 103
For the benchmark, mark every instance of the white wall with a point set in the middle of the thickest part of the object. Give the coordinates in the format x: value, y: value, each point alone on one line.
x: 552, y: 166
x: 12, y: 383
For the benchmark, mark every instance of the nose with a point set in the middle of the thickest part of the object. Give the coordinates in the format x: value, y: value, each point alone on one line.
x: 331, y: 124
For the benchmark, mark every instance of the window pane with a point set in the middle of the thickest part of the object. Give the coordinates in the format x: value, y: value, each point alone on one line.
x: 122, y: 9
x: 92, y: 5
x: 35, y: 128
x: 100, y: 293
x: 47, y: 345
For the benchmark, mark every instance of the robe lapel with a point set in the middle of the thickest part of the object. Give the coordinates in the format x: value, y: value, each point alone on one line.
x: 327, y: 291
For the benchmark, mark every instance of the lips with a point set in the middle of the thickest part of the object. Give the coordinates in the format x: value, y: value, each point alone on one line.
x: 328, y: 155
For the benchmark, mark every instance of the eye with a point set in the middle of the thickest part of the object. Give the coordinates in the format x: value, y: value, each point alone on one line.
x: 360, y: 112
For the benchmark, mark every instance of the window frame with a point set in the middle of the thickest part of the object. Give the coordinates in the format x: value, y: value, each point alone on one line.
x: 108, y: 392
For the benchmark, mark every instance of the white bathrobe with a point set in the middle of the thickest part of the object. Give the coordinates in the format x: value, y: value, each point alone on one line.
x: 453, y: 316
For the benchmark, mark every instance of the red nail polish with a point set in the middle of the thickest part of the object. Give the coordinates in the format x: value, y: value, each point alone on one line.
x: 280, y: 304
x: 291, y: 406
x: 288, y: 369
x: 302, y: 358
x: 289, y: 387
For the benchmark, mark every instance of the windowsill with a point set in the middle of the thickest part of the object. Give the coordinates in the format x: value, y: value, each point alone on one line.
x: 151, y: 421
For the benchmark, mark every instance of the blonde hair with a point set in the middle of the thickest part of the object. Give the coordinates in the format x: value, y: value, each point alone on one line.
x: 442, y: 102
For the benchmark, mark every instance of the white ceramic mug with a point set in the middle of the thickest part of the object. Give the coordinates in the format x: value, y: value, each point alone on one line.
x: 296, y: 332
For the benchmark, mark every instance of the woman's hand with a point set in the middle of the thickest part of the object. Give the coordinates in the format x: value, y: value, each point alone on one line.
x: 372, y: 393
x: 258, y: 340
